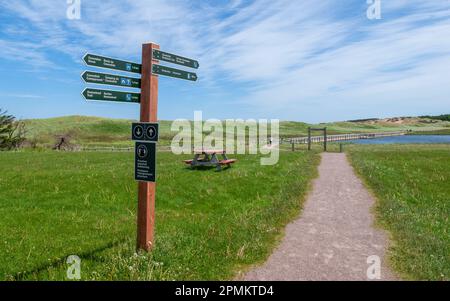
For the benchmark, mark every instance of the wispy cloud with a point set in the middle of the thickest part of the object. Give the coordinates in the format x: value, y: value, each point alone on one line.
x: 26, y: 96
x: 283, y: 57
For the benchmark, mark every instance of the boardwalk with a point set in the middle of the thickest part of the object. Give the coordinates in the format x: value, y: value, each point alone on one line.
x: 342, y: 137
x: 334, y: 236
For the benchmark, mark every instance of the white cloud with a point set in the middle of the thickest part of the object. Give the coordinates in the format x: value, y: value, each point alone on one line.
x: 26, y: 96
x: 284, y: 55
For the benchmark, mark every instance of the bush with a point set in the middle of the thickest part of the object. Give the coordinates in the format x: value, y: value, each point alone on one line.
x: 12, y: 132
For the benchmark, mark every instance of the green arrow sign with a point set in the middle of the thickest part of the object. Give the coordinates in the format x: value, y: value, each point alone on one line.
x: 176, y: 59
x: 172, y: 72
x: 106, y: 95
x: 110, y: 79
x: 110, y: 63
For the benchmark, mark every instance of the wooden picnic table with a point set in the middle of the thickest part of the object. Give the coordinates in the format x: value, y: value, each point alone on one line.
x: 207, y: 157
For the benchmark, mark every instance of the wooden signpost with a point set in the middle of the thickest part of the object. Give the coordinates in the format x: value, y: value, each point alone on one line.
x: 145, y: 133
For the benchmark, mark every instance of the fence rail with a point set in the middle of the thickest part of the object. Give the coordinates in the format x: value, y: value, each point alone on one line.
x: 111, y: 149
x: 105, y: 149
x: 341, y: 137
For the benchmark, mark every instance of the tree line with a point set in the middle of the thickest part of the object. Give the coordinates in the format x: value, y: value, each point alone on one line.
x: 444, y: 117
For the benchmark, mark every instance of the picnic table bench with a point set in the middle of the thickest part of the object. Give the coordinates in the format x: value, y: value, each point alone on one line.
x: 210, y: 158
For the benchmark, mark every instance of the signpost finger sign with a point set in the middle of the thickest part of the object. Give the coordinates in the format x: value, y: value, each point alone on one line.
x: 110, y: 79
x: 107, y: 95
x: 173, y: 58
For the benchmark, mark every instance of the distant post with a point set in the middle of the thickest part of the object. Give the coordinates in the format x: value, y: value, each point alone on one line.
x: 324, y: 130
x: 309, y: 138
x: 147, y: 190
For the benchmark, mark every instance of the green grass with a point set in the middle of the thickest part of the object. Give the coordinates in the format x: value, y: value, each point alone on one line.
x: 209, y: 225
x: 412, y: 183
x: 436, y: 132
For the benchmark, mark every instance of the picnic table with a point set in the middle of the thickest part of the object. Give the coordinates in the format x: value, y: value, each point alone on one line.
x: 210, y: 158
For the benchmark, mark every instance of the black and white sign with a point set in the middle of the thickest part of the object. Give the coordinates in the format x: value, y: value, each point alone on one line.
x: 145, y: 131
x: 145, y: 162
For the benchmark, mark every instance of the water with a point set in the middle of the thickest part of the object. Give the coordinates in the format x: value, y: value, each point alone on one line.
x: 405, y: 139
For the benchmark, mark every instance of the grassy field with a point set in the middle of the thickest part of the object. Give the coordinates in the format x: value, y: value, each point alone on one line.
x: 96, y: 131
x: 209, y: 225
x: 412, y: 183
x: 436, y: 132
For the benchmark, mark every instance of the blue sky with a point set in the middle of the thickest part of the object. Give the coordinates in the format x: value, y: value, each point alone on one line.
x: 307, y: 60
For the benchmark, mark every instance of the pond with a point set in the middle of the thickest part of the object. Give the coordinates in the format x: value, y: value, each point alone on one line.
x: 405, y: 139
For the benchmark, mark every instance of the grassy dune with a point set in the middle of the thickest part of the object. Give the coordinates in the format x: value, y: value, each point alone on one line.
x: 210, y: 224
x: 412, y: 184
x: 95, y: 131
x: 86, y: 131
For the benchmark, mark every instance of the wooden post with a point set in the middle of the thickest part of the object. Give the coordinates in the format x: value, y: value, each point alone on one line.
x: 325, y: 139
x: 147, y: 190
x: 309, y: 138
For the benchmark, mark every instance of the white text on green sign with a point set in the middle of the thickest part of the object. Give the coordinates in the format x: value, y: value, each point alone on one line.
x: 172, y: 72
x: 106, y: 95
x: 110, y: 63
x: 175, y: 59
x: 110, y: 79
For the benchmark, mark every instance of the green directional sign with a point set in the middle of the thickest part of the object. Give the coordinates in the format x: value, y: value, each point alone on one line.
x: 110, y: 63
x: 172, y: 72
x: 106, y: 95
x: 110, y: 79
x: 175, y: 59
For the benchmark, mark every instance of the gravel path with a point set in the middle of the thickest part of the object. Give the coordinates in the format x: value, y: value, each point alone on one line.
x: 335, y: 234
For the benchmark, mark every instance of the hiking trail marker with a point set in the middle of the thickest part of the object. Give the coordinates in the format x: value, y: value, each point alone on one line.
x: 146, y: 132
x: 145, y: 161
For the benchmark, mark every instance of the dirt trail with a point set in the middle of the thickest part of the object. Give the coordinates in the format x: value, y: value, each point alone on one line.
x: 334, y: 235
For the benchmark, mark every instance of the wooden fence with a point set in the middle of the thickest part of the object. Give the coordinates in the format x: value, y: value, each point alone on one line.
x: 341, y: 137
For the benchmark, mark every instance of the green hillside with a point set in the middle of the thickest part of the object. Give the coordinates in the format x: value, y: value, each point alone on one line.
x: 97, y: 131
x: 83, y: 130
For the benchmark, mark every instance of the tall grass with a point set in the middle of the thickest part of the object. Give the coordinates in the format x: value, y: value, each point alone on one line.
x: 412, y: 184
